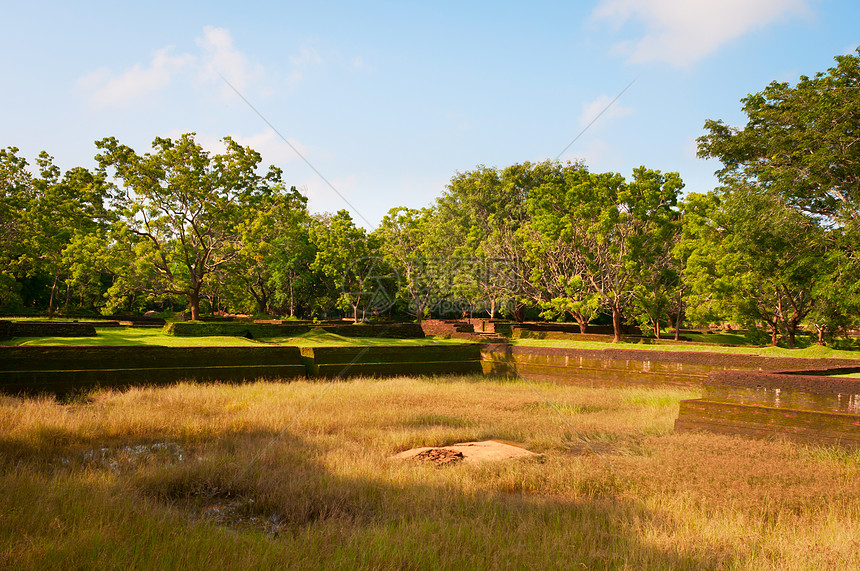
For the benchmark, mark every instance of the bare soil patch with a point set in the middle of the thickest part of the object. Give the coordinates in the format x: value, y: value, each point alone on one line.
x: 486, y: 451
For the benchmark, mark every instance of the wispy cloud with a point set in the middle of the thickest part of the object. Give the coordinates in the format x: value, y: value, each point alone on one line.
x: 591, y: 109
x: 306, y: 58
x: 271, y: 147
x: 681, y: 32
x: 221, y: 58
x: 137, y: 82
x: 217, y: 56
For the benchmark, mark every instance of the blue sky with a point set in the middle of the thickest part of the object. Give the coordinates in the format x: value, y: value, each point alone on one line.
x: 388, y: 100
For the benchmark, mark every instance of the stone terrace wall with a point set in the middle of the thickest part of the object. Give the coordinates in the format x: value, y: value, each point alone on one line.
x: 60, y: 370
x: 630, y: 365
x: 446, y: 327
x: 35, y: 369
x: 396, y: 360
x: 47, y: 329
x: 802, y: 405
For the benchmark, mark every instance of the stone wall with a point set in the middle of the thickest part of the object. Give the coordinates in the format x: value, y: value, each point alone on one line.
x: 49, y: 329
x: 631, y: 365
x: 395, y: 360
x: 60, y: 370
x: 35, y: 369
x: 807, y: 405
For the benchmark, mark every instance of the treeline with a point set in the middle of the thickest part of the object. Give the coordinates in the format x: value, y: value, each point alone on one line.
x: 773, y: 249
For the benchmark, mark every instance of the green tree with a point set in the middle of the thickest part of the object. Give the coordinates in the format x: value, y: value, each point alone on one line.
x: 800, y: 142
x: 613, y: 230
x: 416, y: 247
x: 272, y: 254
x: 349, y: 256
x: 16, y: 194
x: 800, y: 147
x: 752, y: 258
x: 65, y: 209
x: 184, y: 206
x: 482, y: 210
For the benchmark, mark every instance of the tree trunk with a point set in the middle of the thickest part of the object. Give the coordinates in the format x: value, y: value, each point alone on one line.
x: 820, y: 334
x: 678, y: 325
x: 616, y: 323
x: 791, y: 327
x: 194, y: 305
x: 774, y: 334
x: 581, y: 321
x: 492, y: 308
x: 292, y: 298
x: 51, y: 300
x: 519, y: 313
x: 657, y: 328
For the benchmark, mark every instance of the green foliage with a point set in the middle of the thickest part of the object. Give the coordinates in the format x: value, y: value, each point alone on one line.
x: 349, y: 256
x: 799, y: 142
x: 746, y: 263
x: 792, y: 175
x: 481, y: 212
x: 418, y: 250
x: 595, y: 241
x: 179, y: 210
x: 268, y: 271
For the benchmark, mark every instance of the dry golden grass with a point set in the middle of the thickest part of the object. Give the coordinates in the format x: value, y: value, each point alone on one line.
x: 238, y: 476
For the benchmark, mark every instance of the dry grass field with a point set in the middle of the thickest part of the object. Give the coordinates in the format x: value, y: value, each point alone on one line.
x: 299, y: 475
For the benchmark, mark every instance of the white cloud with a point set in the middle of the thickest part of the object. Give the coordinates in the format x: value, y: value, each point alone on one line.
x: 306, y: 57
x: 591, y: 109
x: 218, y: 56
x: 135, y: 83
x: 681, y: 32
x: 271, y: 147
x: 221, y: 58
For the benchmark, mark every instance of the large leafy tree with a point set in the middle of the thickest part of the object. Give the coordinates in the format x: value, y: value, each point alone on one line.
x: 554, y: 243
x: 752, y: 258
x: 49, y: 223
x: 801, y: 141
x: 182, y: 206
x: 801, y: 146
x: 420, y: 253
x: 608, y: 230
x: 350, y: 257
x: 67, y: 222
x: 272, y: 255
x: 482, y: 210
x: 16, y: 194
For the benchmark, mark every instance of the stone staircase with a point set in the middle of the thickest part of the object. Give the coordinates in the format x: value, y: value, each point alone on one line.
x: 457, y: 329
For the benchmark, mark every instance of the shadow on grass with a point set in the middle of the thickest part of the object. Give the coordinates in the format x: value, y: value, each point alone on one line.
x: 267, y: 499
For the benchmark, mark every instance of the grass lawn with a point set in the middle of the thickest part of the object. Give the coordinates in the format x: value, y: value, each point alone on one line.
x: 811, y: 352
x: 134, y: 336
x: 299, y: 475
x: 155, y: 336
x: 320, y: 338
